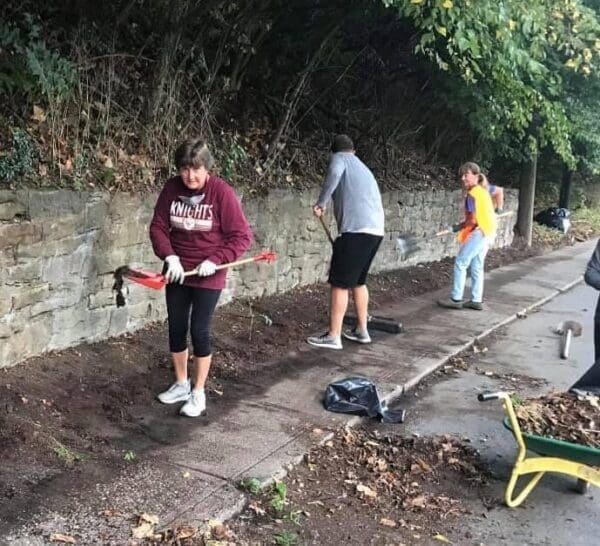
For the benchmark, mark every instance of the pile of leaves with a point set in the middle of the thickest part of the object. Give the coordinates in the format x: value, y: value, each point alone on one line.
x: 362, y: 483
x: 562, y: 416
x: 393, y: 470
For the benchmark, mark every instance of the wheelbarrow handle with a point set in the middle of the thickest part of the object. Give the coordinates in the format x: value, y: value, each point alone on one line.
x: 487, y: 396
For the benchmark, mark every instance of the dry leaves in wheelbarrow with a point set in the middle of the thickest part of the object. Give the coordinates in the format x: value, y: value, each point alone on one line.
x: 562, y: 416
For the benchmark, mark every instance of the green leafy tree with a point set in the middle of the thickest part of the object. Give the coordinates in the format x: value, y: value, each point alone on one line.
x: 515, y: 61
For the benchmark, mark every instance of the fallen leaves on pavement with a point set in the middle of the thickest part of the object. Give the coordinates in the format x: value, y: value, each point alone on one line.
x: 59, y: 537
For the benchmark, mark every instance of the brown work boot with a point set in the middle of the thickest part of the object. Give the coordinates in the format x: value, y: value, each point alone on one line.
x: 477, y: 305
x: 449, y: 303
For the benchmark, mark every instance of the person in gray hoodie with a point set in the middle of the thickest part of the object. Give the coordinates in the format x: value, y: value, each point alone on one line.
x: 359, y: 216
x: 592, y: 277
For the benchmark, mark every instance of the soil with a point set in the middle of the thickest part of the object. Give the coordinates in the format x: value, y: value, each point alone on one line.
x: 72, y: 418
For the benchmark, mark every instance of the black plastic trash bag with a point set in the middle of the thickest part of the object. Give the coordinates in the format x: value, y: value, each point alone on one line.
x: 359, y: 396
x: 554, y: 217
x: 589, y: 382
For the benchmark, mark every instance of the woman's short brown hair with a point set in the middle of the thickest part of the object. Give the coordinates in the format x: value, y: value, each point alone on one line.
x: 194, y: 153
x: 469, y: 166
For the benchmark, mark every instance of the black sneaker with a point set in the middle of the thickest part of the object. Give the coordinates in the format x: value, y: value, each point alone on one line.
x: 477, y: 305
x: 449, y: 303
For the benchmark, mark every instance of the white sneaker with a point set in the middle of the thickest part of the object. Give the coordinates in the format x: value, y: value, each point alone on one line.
x: 326, y: 341
x: 195, y: 405
x: 177, y: 392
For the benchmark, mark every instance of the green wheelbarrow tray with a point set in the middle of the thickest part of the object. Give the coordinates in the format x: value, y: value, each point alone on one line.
x: 556, y: 456
x: 550, y: 447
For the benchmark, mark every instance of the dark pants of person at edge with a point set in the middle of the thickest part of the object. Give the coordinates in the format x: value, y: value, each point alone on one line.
x: 597, y: 332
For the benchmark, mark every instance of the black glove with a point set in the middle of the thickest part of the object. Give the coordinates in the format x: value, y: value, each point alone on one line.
x: 499, y: 210
x: 456, y: 228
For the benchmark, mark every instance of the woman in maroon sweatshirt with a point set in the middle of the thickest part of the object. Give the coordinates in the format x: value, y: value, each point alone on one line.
x: 198, y: 224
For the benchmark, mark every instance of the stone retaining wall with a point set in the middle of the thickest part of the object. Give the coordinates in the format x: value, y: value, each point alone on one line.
x: 58, y: 250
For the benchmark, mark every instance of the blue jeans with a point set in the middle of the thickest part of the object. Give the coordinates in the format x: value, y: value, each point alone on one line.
x: 471, y: 255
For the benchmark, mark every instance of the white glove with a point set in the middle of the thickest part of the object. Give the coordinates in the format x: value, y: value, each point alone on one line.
x: 206, y: 268
x: 174, y: 269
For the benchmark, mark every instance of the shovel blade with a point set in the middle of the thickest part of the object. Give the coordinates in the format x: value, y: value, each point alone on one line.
x: 407, y: 245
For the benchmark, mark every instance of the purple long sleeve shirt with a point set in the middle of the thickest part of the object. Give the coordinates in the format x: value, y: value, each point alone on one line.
x: 200, y: 225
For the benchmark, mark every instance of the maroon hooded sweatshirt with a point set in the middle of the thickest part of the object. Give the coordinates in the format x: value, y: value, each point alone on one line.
x: 200, y: 225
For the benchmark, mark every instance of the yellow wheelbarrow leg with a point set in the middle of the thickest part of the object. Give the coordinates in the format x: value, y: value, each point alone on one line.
x: 508, y: 498
x: 537, y: 466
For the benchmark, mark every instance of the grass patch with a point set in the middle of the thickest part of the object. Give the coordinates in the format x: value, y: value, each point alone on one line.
x: 130, y: 456
x: 252, y: 485
x: 67, y: 455
x: 285, y: 538
x: 585, y: 222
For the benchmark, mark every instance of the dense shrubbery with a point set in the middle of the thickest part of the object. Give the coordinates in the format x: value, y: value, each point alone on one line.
x: 106, y: 90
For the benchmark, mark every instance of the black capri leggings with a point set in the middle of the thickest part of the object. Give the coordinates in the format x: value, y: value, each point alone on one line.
x: 202, y: 302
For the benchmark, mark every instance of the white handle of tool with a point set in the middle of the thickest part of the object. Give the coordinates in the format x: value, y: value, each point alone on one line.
x: 448, y: 231
x: 223, y: 266
x: 564, y: 354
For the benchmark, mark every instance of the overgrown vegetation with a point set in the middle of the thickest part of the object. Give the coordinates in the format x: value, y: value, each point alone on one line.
x: 98, y: 94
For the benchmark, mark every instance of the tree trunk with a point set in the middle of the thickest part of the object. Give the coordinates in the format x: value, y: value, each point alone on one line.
x: 565, y: 187
x: 172, y: 31
x: 526, y: 198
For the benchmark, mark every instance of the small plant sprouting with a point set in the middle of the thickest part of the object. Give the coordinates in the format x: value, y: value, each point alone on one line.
x: 516, y: 400
x: 66, y: 454
x: 130, y: 456
x: 278, y: 497
x: 252, y: 485
x: 286, y: 538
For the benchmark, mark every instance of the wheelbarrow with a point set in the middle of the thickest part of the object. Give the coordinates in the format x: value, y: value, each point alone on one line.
x: 555, y: 456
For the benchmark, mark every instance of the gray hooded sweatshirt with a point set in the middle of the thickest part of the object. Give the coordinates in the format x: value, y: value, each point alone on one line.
x: 356, y: 199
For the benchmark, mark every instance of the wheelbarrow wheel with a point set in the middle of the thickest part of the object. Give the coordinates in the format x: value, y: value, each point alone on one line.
x: 582, y: 487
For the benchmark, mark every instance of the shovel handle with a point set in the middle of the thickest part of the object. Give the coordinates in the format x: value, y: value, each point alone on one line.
x: 448, y: 231
x: 326, y: 228
x: 566, y: 346
x: 224, y: 266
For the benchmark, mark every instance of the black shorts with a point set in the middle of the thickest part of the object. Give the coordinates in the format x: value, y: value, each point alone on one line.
x: 352, y: 257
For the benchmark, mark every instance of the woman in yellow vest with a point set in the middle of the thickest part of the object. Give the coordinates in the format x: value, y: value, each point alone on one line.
x: 475, y: 234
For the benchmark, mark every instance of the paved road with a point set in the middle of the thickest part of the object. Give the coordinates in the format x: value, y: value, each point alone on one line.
x: 553, y: 513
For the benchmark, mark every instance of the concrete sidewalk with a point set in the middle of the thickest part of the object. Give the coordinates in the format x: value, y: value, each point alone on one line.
x: 261, y: 427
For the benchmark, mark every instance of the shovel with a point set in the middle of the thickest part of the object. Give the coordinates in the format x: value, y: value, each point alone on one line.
x: 409, y: 243
x: 327, y: 230
x: 568, y: 330
x: 157, y: 281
